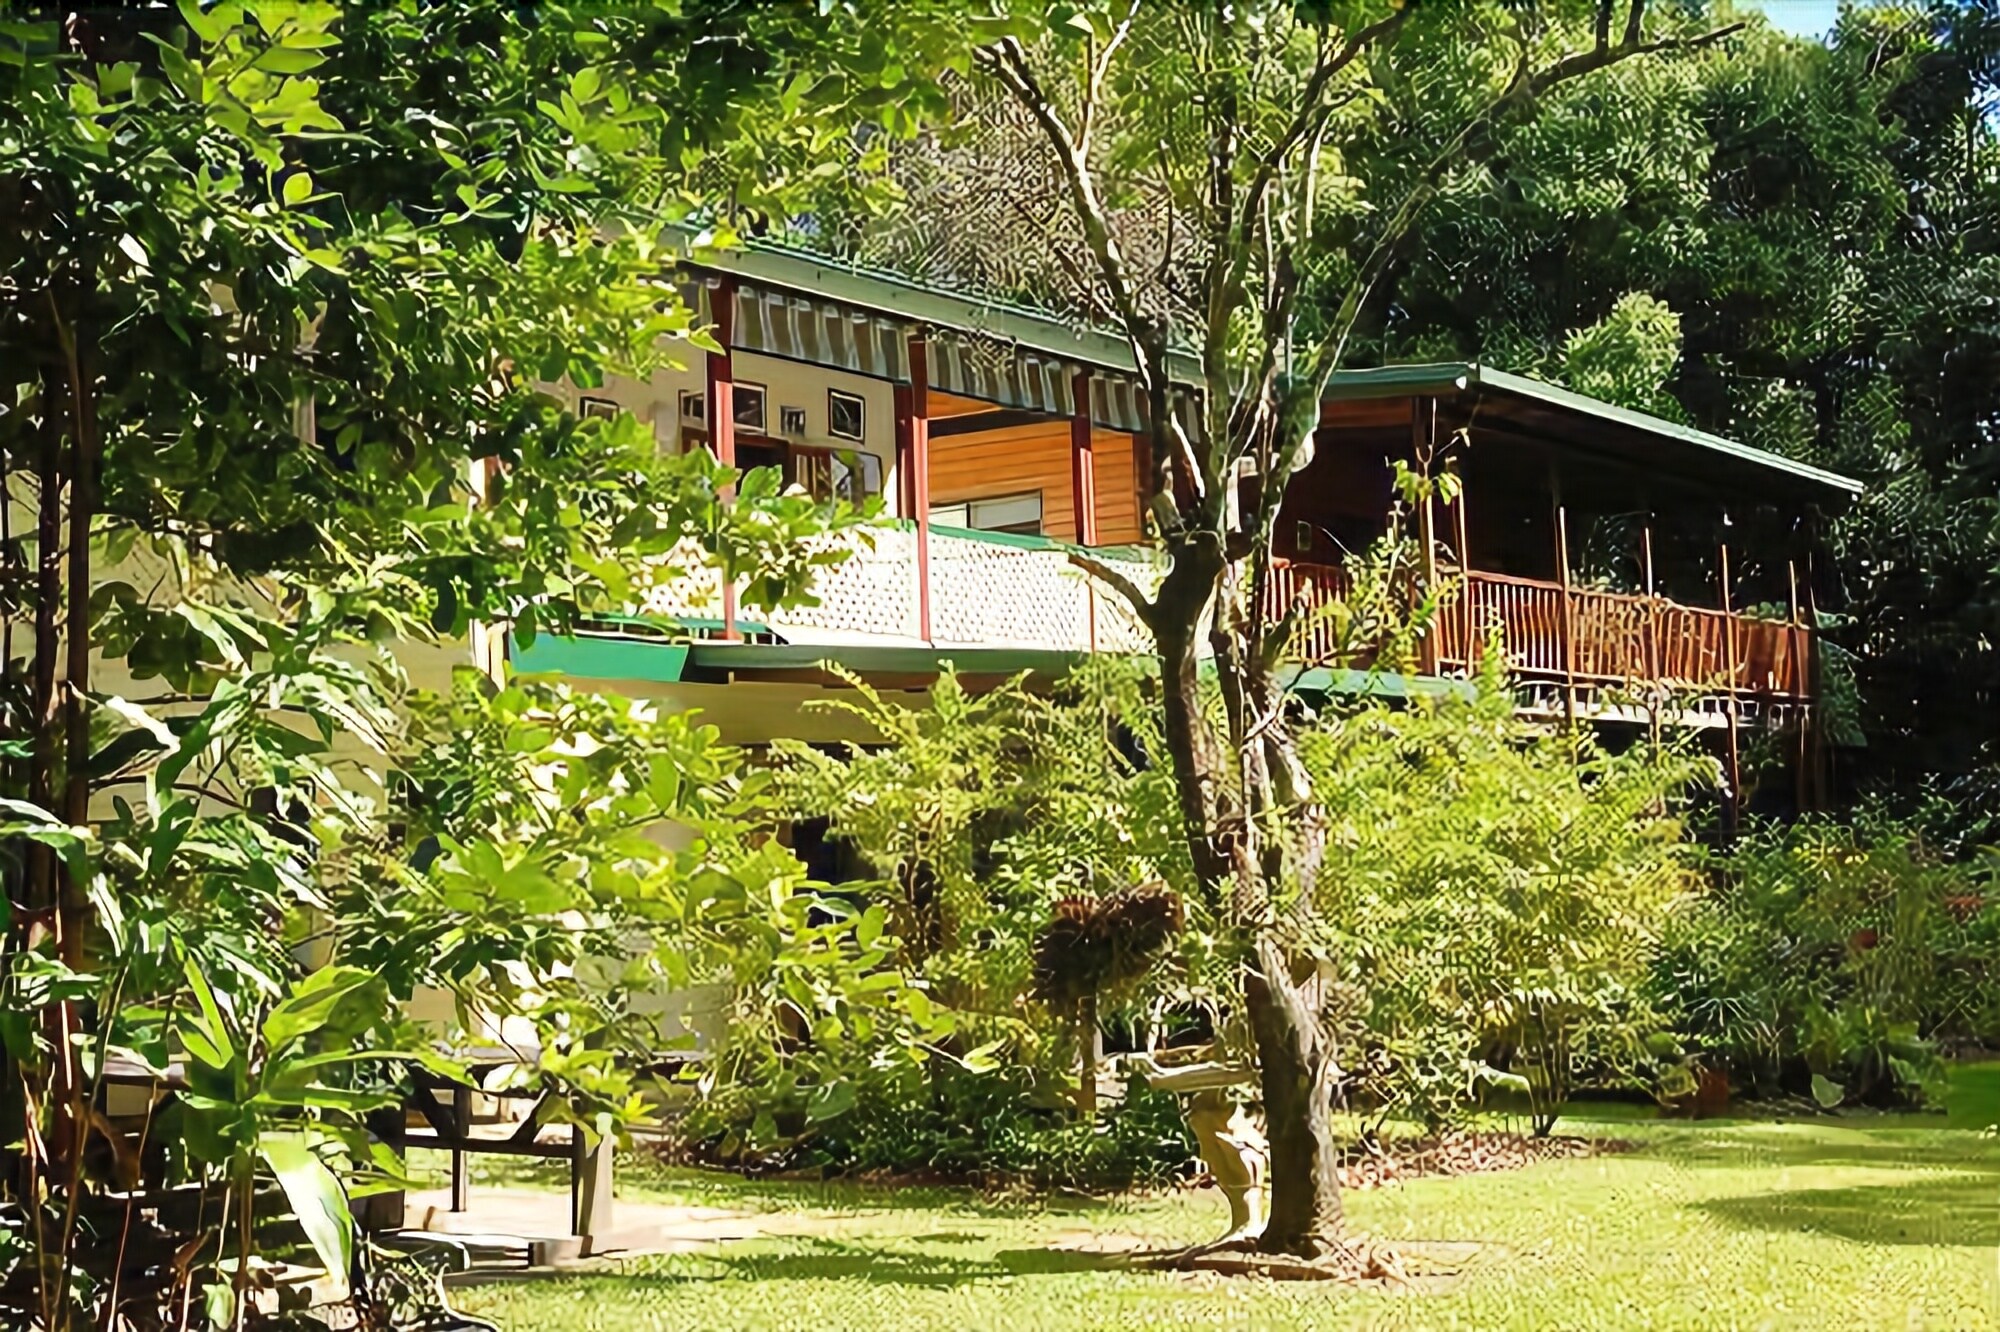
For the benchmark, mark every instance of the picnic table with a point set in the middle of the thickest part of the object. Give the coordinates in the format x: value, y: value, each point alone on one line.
x: 445, y: 1108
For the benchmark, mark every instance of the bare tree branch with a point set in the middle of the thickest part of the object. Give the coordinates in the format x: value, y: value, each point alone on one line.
x: 1099, y: 68
x: 1142, y: 605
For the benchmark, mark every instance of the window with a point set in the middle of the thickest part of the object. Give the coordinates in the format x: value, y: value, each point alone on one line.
x: 792, y: 420
x: 749, y: 411
x: 601, y: 409
x: 845, y: 414
x: 694, y: 406
x: 1020, y: 514
x: 837, y: 474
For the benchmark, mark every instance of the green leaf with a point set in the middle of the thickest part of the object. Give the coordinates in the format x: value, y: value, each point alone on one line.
x: 339, y: 1000
x: 200, y: 23
x: 298, y: 187
x: 829, y: 1101
x: 317, y: 1200
x: 288, y: 60
x: 1827, y: 1092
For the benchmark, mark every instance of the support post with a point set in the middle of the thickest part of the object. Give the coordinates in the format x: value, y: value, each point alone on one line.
x: 1816, y: 747
x: 1083, y: 487
x: 1423, y: 452
x: 1654, y: 668
x: 590, y: 1182
x: 1468, y: 619
x: 1794, y: 632
x: 1082, y: 461
x: 917, y: 426
x: 1565, y: 629
x: 461, y: 1128
x: 722, y: 418
x: 1732, y: 809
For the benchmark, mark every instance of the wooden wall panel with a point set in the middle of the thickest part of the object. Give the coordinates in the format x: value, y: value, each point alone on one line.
x: 1031, y: 457
x: 1118, y: 498
x: 1009, y: 462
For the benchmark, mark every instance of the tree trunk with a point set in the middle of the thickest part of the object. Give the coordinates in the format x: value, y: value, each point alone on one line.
x: 72, y: 904
x: 1086, y: 1058
x: 1295, y: 1069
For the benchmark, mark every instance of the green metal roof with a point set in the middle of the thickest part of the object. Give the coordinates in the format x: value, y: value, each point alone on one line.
x: 657, y: 661
x: 889, y: 659
x: 1703, y: 450
x: 897, y: 297
x: 891, y: 295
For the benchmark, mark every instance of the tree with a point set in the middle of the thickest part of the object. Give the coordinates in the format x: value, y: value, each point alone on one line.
x: 1819, y: 218
x: 1237, y: 123
x: 280, y: 287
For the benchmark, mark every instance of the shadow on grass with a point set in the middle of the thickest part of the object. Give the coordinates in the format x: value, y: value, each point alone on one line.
x: 816, y: 1258
x: 1955, y: 1209
x: 1829, y: 1143
x: 643, y: 1179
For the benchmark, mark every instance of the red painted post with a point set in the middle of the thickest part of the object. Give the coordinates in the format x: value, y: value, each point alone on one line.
x: 919, y: 465
x: 722, y: 417
x: 1082, y: 462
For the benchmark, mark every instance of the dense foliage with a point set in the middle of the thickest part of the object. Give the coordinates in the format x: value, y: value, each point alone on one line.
x: 1493, y: 898
x: 1793, y: 244
x: 1835, y: 962
x: 282, y: 287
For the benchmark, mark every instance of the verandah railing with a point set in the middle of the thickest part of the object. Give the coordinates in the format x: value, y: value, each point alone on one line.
x: 1582, y: 634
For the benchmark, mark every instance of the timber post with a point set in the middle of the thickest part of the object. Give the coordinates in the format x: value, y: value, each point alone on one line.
x: 1732, y: 808
x: 722, y: 418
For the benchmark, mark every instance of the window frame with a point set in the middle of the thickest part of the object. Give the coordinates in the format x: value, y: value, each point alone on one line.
x: 1015, y: 529
x: 739, y: 395
x: 860, y: 415
x: 809, y: 454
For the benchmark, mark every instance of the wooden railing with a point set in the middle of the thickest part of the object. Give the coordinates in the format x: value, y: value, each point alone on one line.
x: 1584, y: 635
x: 1311, y: 586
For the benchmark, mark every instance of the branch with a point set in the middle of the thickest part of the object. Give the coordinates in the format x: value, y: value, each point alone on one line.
x: 1142, y: 605
x: 1094, y: 85
x: 1313, y: 110
x: 1007, y: 61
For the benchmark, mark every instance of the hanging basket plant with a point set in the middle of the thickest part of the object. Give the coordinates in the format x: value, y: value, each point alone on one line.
x: 1095, y: 944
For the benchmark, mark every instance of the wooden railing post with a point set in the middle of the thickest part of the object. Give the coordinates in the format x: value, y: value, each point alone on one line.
x: 1794, y: 632
x: 1732, y: 807
x: 1423, y: 451
x: 1566, y: 630
x: 1467, y: 648
x: 1655, y: 686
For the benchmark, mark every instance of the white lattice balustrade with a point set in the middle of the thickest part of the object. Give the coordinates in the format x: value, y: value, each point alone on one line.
x: 985, y: 591
x: 871, y: 594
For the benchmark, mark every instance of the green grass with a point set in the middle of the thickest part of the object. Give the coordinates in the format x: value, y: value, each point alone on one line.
x: 1875, y: 1221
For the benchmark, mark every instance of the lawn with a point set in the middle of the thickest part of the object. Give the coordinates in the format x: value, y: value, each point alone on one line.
x: 1859, y: 1222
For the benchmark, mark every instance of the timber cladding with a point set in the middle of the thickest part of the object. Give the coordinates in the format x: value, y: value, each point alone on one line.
x: 1035, y: 457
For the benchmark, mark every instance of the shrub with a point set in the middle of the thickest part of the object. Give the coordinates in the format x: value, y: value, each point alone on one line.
x: 1830, y: 961
x: 1009, y: 1126
x: 1493, y: 892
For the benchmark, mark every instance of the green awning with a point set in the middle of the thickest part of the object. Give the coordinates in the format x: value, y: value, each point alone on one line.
x: 602, y: 657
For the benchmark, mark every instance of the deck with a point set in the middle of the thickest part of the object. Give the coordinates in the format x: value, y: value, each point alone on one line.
x: 1572, y: 650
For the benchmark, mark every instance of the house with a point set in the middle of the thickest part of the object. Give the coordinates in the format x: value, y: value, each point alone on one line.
x: 1632, y: 569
